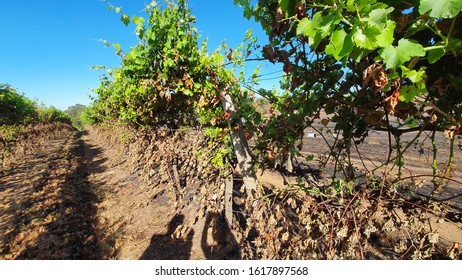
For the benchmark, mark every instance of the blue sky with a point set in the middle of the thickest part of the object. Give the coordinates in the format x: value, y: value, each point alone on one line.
x: 47, y: 47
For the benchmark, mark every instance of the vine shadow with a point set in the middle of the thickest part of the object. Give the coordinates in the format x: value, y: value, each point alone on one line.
x: 217, y: 240
x: 167, y: 247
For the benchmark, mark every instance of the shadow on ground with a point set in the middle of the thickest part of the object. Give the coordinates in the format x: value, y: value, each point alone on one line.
x: 56, y: 219
x: 216, y: 241
x: 168, y: 247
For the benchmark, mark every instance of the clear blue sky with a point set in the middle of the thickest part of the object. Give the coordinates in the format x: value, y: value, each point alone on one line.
x: 47, y: 47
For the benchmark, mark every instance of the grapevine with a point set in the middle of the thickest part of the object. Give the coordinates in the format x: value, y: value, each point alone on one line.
x: 369, y: 65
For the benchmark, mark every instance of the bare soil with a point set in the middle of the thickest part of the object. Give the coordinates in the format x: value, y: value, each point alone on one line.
x: 47, y: 206
x: 79, y: 195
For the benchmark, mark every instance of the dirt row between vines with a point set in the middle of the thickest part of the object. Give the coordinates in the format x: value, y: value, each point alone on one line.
x: 77, y: 195
x: 47, y: 207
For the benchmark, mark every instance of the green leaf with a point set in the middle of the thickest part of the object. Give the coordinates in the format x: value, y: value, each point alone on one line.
x: 386, y: 37
x: 399, y: 162
x: 248, y: 34
x: 336, y: 45
x: 248, y: 12
x: 140, y: 31
x: 288, y: 6
x: 188, y: 92
x: 310, y: 29
x: 355, y: 5
x: 440, y: 8
x: 396, y: 56
x: 338, y: 186
x: 303, y: 27
x: 358, y: 54
x: 413, y: 75
x: 435, y: 54
x: 118, y: 9
x: 409, y: 122
x: 348, y: 46
x: 326, y: 25
x: 408, y: 93
x: 117, y: 47
x: 417, y: 26
x: 241, y: 2
x: 454, y: 45
x: 307, y: 27
x: 367, y: 39
x: 169, y: 62
x: 125, y: 19
x: 138, y: 20
x: 379, y: 16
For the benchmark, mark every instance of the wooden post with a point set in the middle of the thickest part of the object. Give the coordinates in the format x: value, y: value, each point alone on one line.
x: 241, y: 147
x: 229, y: 200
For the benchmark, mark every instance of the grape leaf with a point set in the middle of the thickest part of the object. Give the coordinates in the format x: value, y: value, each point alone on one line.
x: 348, y: 46
x: 337, y: 40
x: 138, y: 20
x: 454, y: 45
x: 413, y: 75
x: 367, y: 39
x: 304, y: 27
x: 386, y: 37
x: 435, y: 55
x: 288, y: 6
x: 117, y: 47
x: 308, y: 27
x: 248, y: 12
x: 417, y: 26
x: 358, y: 54
x: 440, y: 8
x: 409, y: 92
x: 325, y: 26
x: 379, y: 16
x: 125, y: 19
x: 396, y: 56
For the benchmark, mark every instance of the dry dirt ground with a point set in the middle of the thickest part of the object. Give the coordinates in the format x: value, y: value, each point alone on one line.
x: 47, y: 206
x: 71, y: 195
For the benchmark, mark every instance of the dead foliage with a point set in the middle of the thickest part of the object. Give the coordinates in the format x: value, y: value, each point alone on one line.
x: 365, y: 224
x: 375, y: 77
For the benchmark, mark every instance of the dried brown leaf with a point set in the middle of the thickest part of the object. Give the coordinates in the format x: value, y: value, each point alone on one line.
x: 452, y: 131
x: 375, y: 77
x: 285, y: 236
x: 392, y: 101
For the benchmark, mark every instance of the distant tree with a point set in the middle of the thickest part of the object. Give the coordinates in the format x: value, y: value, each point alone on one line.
x: 75, y: 113
x: 52, y: 115
x: 263, y: 106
